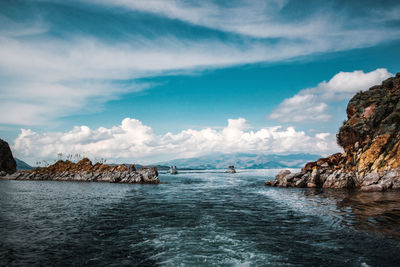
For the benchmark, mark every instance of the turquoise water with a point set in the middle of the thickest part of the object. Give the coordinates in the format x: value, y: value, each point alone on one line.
x: 196, y: 219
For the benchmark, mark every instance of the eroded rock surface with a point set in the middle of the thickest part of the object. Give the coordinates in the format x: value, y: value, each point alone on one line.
x: 85, y: 171
x: 370, y: 138
x: 7, y: 161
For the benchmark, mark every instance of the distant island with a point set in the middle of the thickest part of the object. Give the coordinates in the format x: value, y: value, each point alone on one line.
x: 371, y: 140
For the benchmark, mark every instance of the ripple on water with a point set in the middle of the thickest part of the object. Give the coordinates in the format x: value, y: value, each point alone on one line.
x: 196, y: 218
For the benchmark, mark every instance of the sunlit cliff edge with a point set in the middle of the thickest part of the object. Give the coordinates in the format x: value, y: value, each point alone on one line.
x: 370, y: 138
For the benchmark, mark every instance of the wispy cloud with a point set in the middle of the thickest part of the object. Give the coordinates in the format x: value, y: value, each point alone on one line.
x: 44, y: 79
x: 273, y: 18
x: 310, y: 105
x: 46, y: 74
x: 132, y: 141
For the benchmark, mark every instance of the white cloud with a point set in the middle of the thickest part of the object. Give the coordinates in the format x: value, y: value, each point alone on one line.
x: 343, y: 85
x: 44, y: 76
x: 252, y: 18
x: 134, y: 142
x: 266, y: 19
x: 311, y: 104
x: 45, y: 79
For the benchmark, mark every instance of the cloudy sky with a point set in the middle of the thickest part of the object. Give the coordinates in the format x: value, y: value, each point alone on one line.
x: 145, y: 81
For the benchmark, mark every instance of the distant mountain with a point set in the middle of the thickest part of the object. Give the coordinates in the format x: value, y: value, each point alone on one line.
x: 159, y: 167
x: 243, y: 161
x: 139, y: 166
x: 22, y: 165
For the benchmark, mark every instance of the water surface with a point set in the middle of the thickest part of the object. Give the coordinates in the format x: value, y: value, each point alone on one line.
x: 196, y: 218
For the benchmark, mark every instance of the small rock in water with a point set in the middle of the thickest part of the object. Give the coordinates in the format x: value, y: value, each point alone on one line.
x: 231, y: 169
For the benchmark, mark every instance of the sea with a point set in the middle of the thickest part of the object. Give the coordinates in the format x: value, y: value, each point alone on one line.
x: 196, y: 218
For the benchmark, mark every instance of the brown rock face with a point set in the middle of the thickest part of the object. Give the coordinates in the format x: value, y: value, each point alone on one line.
x: 371, y: 140
x: 85, y: 171
x: 7, y: 161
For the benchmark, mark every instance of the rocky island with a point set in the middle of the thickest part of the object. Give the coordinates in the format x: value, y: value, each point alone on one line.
x: 83, y: 171
x: 370, y: 138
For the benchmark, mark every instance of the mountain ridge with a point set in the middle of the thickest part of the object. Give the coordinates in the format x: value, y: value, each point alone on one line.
x: 22, y: 165
x: 242, y: 161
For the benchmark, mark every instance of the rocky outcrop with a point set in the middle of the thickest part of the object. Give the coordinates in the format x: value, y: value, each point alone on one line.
x: 85, y: 171
x: 173, y: 170
x: 231, y: 169
x: 7, y: 162
x: 370, y: 138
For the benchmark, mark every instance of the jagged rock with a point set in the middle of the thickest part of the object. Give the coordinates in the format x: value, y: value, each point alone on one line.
x: 314, y: 177
x: 132, y: 168
x: 7, y: 161
x: 149, y: 175
x: 302, y: 182
x: 396, y: 183
x: 339, y: 179
x: 281, y: 178
x: 371, y: 178
x: 85, y: 171
x: 282, y: 174
x: 371, y: 141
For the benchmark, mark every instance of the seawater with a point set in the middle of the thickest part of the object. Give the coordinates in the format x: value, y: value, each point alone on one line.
x: 196, y: 218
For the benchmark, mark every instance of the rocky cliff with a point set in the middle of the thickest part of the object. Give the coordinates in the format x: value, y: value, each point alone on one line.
x: 370, y: 138
x: 85, y: 171
x: 7, y: 162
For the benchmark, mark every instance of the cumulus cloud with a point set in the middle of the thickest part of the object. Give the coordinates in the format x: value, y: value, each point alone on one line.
x: 312, y: 104
x: 132, y: 141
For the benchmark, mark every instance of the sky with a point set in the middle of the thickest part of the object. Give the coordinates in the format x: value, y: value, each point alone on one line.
x: 153, y: 80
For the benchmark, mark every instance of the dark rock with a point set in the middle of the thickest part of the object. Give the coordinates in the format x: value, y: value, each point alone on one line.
x: 132, y: 168
x: 302, y: 182
x: 7, y: 161
x: 231, y: 169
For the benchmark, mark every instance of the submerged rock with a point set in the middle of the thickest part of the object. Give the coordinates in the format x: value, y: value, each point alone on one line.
x: 85, y: 171
x: 370, y: 138
x: 7, y: 161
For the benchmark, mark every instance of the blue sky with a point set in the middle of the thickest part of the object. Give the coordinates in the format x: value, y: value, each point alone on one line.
x: 155, y: 80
